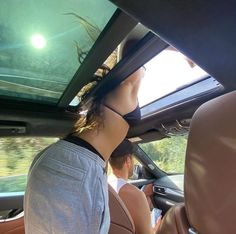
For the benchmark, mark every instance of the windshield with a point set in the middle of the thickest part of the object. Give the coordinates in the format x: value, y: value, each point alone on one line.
x: 43, y: 43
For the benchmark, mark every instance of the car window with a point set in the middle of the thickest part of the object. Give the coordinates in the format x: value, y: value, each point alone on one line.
x: 168, y: 154
x: 44, y: 42
x: 16, y: 156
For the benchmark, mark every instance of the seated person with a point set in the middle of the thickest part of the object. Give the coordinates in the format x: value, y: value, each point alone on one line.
x: 122, y: 164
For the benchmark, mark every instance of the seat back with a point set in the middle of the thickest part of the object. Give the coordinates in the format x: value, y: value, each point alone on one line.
x: 175, y: 221
x: 209, y: 179
x: 12, y: 226
x: 121, y: 221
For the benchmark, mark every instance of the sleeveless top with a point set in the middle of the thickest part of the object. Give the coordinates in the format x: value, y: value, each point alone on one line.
x: 116, y: 183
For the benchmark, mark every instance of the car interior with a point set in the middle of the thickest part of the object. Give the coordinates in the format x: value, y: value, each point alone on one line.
x: 40, y: 96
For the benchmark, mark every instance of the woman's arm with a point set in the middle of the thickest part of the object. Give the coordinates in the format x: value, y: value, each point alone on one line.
x: 114, y: 128
x: 137, y: 205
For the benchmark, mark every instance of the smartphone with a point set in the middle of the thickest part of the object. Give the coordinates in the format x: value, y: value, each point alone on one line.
x: 155, y: 215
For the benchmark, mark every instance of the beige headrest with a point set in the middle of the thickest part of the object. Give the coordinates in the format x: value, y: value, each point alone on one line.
x: 210, y: 170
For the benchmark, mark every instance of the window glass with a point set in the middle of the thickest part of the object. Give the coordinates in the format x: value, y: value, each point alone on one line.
x: 42, y: 44
x: 168, y: 154
x: 16, y: 156
x: 167, y: 72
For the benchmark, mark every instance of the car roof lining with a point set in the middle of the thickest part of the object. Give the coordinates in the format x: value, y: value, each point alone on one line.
x: 36, y: 123
x: 195, y: 28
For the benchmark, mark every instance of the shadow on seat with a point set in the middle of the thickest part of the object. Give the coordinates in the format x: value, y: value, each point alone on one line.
x: 209, y: 179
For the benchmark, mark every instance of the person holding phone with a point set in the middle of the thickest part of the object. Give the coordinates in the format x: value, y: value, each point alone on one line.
x: 136, y: 201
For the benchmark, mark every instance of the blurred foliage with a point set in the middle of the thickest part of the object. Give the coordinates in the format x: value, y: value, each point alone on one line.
x: 13, y: 183
x: 16, y: 156
x: 168, y: 154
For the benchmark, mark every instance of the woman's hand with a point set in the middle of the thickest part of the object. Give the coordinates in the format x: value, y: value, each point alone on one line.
x: 157, y: 226
x: 148, y: 190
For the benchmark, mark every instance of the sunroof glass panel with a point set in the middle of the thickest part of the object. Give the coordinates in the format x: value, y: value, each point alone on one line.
x: 43, y: 43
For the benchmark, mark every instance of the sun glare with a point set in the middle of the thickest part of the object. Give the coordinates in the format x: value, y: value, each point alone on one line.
x: 38, y: 41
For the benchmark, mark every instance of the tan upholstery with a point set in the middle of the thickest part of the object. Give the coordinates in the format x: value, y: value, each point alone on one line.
x: 175, y: 221
x: 15, y: 226
x: 121, y: 221
x: 210, y: 171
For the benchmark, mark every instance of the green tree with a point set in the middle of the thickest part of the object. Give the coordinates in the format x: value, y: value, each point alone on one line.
x: 16, y: 157
x: 168, y: 154
x: 18, y: 153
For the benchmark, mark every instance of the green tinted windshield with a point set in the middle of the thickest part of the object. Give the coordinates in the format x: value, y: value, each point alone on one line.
x: 42, y: 44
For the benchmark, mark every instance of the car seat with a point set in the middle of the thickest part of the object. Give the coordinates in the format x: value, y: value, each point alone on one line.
x: 209, y: 177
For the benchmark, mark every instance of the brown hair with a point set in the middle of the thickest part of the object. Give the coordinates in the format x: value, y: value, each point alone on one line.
x: 90, y: 112
x: 121, y: 153
x: 118, y: 163
x: 91, y: 116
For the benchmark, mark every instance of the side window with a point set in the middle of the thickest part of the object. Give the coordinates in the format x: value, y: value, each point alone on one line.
x: 168, y: 154
x: 136, y: 169
x: 16, y: 156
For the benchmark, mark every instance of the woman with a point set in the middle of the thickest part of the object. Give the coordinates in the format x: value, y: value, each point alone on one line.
x: 67, y: 187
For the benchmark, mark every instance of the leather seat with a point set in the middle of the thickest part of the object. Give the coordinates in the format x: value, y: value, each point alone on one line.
x: 12, y: 226
x: 210, y: 172
x: 121, y: 221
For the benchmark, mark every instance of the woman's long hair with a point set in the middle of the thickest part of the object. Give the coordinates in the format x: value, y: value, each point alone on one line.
x: 91, y: 111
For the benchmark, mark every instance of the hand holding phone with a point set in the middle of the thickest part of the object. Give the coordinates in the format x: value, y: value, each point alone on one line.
x: 155, y: 216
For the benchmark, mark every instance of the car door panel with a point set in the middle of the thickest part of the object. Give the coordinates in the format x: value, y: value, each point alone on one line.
x: 168, y: 191
x: 9, y: 201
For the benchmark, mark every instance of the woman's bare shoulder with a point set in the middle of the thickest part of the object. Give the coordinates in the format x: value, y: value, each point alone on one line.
x: 133, y: 191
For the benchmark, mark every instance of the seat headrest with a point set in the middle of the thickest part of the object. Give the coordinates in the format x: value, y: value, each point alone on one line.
x: 210, y: 168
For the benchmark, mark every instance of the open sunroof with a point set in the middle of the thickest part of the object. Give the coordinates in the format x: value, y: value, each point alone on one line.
x: 168, y: 72
x: 43, y: 43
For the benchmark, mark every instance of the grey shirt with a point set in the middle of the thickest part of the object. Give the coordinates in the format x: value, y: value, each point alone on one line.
x: 67, y: 192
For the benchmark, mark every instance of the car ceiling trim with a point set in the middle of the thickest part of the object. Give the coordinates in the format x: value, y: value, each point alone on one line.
x: 117, y: 28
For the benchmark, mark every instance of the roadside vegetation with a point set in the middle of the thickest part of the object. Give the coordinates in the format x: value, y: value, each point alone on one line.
x: 168, y: 153
x: 16, y: 155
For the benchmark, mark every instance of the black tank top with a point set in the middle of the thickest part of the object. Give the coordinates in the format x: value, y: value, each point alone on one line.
x: 80, y: 142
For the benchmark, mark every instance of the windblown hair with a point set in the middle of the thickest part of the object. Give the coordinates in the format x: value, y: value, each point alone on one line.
x: 91, y: 111
x: 91, y: 116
